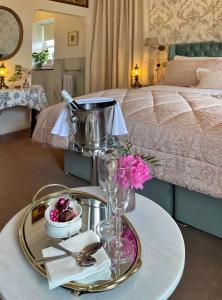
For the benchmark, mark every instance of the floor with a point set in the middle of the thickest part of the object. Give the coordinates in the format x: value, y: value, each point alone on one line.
x: 27, y: 166
x: 202, y: 277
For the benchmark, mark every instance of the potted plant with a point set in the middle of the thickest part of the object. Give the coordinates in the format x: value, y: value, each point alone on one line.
x: 20, y: 77
x: 40, y: 57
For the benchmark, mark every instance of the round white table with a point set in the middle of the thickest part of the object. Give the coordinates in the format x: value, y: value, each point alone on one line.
x: 163, y: 256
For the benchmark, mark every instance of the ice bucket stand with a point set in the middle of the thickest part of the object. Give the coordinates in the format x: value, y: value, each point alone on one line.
x: 82, y: 165
x: 85, y: 164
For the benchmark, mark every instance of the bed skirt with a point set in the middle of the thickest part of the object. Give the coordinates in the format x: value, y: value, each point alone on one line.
x: 198, y: 210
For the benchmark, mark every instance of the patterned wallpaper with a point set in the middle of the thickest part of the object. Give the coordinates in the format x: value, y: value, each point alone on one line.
x: 180, y: 21
x: 185, y: 20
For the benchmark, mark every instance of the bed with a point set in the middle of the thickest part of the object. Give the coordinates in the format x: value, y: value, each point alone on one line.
x: 182, y: 127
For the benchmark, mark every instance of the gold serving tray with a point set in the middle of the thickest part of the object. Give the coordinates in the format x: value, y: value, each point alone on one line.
x: 33, y: 237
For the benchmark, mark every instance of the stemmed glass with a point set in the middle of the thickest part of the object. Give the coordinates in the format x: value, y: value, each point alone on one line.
x: 121, y: 248
x: 107, y: 166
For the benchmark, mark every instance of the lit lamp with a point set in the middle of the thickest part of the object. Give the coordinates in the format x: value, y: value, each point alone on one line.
x: 153, y: 42
x: 3, y: 74
x: 136, y: 73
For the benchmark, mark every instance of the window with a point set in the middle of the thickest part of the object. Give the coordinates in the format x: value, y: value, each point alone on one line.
x: 48, y: 38
x: 43, y: 38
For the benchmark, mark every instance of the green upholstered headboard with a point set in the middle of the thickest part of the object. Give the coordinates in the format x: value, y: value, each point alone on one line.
x: 213, y: 49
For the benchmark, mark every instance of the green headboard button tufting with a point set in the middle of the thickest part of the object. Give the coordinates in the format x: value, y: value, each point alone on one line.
x: 210, y: 49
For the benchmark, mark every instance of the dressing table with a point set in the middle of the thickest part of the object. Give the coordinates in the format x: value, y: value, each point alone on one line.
x: 10, y: 42
x: 33, y: 97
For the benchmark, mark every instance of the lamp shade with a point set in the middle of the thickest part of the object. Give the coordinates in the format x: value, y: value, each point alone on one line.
x: 154, y: 43
x: 3, y: 70
x: 151, y: 42
x: 136, y: 71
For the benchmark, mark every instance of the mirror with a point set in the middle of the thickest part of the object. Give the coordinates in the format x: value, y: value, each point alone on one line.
x: 11, y: 33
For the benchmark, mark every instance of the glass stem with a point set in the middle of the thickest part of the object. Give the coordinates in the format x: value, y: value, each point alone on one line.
x: 108, y: 211
x: 118, y: 229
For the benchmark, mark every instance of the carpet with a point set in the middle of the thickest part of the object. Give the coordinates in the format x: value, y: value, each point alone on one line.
x: 26, y: 166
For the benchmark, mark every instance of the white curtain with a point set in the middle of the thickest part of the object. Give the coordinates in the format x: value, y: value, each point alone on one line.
x: 117, y: 44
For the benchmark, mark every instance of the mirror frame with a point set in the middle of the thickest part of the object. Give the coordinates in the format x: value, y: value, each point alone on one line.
x: 20, y: 32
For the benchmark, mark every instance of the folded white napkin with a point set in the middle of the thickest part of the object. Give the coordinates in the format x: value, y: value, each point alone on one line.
x: 64, y: 270
x: 61, y: 126
x: 116, y: 123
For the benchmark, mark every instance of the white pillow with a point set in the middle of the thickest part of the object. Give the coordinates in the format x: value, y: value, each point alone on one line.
x: 179, y: 57
x: 209, y: 79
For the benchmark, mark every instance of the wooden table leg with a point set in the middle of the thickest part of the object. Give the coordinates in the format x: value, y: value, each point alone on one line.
x: 34, y: 114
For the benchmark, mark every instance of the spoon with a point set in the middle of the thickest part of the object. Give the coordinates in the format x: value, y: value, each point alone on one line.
x: 82, y: 254
x: 86, y: 262
x: 45, y: 260
x: 82, y: 261
x: 86, y: 251
x: 91, y: 248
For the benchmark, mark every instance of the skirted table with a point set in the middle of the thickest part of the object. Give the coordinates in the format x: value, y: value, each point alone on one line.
x: 163, y: 257
x: 33, y: 97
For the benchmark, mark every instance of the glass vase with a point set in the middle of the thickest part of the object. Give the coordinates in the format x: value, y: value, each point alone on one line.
x: 131, y: 200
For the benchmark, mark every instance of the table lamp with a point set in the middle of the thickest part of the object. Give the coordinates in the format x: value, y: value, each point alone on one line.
x: 3, y: 74
x: 136, y: 73
x: 153, y: 42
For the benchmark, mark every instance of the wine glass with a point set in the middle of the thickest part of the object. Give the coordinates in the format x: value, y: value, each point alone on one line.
x: 121, y: 248
x: 107, y: 165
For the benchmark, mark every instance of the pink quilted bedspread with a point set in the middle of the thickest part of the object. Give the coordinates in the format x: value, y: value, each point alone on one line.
x: 182, y: 127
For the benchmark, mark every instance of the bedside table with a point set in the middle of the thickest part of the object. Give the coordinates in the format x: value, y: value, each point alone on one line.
x: 141, y: 86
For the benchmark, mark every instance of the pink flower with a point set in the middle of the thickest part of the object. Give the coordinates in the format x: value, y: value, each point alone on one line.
x: 132, y: 172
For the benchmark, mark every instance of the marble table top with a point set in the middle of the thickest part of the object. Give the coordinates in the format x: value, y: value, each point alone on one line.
x: 163, y: 256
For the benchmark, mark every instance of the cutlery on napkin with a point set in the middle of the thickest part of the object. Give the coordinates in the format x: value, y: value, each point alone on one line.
x: 64, y: 270
x: 84, y: 254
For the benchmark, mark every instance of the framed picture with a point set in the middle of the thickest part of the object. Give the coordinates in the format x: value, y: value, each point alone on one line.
x: 73, y: 37
x: 83, y: 3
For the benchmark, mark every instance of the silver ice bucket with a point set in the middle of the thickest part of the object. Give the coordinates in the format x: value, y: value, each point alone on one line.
x: 89, y: 127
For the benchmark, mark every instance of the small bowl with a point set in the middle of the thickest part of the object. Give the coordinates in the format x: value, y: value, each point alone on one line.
x: 73, y: 204
x: 64, y: 232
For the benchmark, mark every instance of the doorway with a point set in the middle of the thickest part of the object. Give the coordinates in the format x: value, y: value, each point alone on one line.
x: 63, y: 37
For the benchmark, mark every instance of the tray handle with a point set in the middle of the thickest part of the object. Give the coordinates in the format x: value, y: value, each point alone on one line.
x: 48, y: 186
